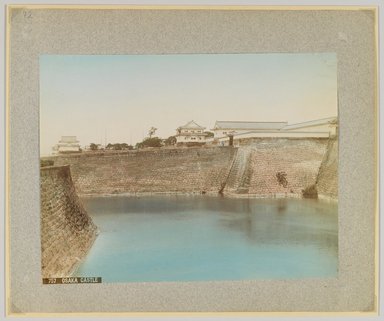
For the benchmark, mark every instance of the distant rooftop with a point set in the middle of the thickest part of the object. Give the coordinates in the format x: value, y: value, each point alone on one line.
x: 68, y: 139
x: 251, y: 125
x: 191, y: 125
x: 316, y: 122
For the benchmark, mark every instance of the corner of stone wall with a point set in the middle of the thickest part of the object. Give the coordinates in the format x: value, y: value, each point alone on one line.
x: 327, y: 179
x: 67, y: 231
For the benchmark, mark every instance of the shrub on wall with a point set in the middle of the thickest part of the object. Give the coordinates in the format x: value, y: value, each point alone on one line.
x: 310, y: 192
x: 193, y: 144
x: 46, y: 162
x: 282, y: 179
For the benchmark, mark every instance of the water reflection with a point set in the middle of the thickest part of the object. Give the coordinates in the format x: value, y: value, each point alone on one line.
x: 282, y: 220
x: 176, y: 238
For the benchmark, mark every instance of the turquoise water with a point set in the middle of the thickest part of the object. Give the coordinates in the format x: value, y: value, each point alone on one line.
x: 201, y: 238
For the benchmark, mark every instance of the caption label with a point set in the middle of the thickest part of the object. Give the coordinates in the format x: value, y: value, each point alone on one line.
x: 72, y: 280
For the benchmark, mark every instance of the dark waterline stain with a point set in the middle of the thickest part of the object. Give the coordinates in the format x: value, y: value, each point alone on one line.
x: 202, y: 238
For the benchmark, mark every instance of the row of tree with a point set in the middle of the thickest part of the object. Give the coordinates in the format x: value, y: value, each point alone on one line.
x: 147, y: 142
x: 156, y: 142
x: 118, y: 146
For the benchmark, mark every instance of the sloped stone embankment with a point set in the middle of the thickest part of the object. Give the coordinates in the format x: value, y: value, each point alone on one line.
x: 67, y: 231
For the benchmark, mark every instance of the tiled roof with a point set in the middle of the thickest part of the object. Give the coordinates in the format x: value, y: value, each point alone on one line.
x: 68, y: 139
x: 252, y: 125
x: 316, y: 122
x: 191, y: 125
x: 192, y: 134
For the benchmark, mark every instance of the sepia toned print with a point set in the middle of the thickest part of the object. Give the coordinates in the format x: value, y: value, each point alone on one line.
x: 188, y: 167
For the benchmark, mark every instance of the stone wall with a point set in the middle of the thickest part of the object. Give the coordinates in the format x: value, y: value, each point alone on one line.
x: 238, y: 178
x: 67, y: 232
x: 298, y: 160
x: 157, y: 170
x: 327, y: 180
x: 249, y: 169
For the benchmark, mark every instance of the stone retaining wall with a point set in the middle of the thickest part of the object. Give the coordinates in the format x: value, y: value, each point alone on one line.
x: 298, y: 160
x: 327, y: 180
x: 67, y: 232
x: 252, y: 169
x: 158, y: 170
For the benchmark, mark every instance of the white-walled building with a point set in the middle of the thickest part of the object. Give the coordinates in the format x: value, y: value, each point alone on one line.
x: 327, y: 126
x: 67, y: 144
x: 190, y: 133
x: 225, y: 128
x: 319, y: 128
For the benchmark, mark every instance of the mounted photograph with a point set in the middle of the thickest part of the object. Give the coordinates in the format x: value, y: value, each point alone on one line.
x: 188, y: 167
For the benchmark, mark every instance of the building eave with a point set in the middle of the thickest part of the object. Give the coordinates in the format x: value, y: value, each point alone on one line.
x: 312, y: 123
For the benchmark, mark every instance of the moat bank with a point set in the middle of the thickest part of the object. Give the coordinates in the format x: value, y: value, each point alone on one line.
x: 252, y: 169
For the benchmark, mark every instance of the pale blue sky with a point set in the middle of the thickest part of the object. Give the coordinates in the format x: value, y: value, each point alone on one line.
x: 123, y: 96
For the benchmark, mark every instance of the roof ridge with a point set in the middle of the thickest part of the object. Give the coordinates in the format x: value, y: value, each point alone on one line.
x: 310, y: 121
x: 192, y: 122
x: 245, y: 121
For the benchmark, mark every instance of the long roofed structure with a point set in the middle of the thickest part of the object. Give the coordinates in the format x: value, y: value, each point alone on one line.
x: 249, y: 125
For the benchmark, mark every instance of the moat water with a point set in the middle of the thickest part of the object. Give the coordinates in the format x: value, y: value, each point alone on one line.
x: 201, y: 238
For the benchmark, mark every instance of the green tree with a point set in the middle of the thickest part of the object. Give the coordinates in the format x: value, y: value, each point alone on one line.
x: 209, y: 134
x: 151, y: 131
x: 117, y: 147
x: 93, y: 146
x: 171, y: 140
x: 150, y: 142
